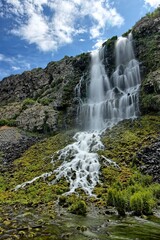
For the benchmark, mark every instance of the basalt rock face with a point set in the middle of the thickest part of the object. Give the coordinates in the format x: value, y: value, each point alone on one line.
x: 150, y: 160
x: 13, y: 143
x: 50, y: 91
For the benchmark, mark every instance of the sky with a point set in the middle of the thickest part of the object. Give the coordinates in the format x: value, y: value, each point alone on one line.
x: 35, y: 32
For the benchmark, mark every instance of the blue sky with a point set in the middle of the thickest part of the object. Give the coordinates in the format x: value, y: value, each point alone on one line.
x: 35, y: 32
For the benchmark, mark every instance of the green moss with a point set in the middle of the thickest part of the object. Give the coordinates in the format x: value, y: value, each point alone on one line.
x: 116, y: 187
x: 123, y: 140
x: 78, y: 207
x: 35, y: 161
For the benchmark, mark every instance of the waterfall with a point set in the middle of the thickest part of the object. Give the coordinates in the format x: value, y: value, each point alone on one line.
x: 112, y: 100
x: 109, y: 101
x: 93, y: 110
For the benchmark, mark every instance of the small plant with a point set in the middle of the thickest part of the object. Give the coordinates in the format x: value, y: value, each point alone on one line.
x: 10, y: 122
x: 45, y: 101
x: 27, y: 102
x: 136, y: 203
x: 79, y: 208
x: 3, y: 122
x: 111, y: 196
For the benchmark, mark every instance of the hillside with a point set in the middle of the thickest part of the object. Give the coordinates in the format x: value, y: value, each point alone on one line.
x: 38, y: 118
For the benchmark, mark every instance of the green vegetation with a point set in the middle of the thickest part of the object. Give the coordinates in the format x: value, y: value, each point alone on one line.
x: 34, y: 162
x: 150, y: 93
x: 154, y: 14
x: 78, y: 207
x: 8, y: 122
x: 110, y: 42
x: 74, y: 204
x: 45, y: 101
x: 125, y: 188
x: 27, y: 102
x: 138, y: 194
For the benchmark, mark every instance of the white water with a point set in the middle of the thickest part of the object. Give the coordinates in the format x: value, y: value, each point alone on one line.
x: 80, y: 162
x: 112, y: 100
x: 109, y: 101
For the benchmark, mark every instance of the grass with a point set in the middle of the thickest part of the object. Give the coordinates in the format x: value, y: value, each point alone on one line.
x: 125, y: 188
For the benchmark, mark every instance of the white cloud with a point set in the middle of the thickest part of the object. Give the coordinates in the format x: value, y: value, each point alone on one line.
x: 153, y: 3
x: 3, y: 58
x: 15, y: 68
x: 82, y: 40
x: 52, y: 23
x: 15, y: 63
x: 99, y: 43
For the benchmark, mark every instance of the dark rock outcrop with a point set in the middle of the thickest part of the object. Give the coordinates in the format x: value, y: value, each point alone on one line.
x: 50, y: 91
x: 13, y: 143
x: 146, y: 35
x: 150, y: 160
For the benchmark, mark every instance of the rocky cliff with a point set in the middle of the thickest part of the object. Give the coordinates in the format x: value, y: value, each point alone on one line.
x: 44, y: 99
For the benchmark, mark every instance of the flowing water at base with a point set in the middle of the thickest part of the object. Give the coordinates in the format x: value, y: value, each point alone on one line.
x: 95, y: 226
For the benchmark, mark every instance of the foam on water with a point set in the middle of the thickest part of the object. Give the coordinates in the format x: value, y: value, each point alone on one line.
x: 81, y: 162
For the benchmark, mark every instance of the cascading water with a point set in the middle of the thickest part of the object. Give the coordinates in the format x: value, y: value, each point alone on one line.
x: 126, y: 80
x: 112, y: 100
x: 94, y: 109
x: 109, y: 101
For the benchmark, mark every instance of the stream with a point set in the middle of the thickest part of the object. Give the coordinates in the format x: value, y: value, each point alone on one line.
x: 28, y: 223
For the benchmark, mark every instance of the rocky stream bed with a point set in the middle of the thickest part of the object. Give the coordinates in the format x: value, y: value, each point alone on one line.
x: 56, y: 224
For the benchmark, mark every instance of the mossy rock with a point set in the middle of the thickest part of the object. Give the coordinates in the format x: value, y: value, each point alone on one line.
x: 79, y: 207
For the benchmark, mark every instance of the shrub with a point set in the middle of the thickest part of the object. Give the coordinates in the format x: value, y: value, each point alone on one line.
x: 121, y: 202
x: 79, y: 208
x: 142, y: 202
x: 156, y: 190
x: 27, y: 102
x: 45, y: 101
x: 118, y: 199
x: 136, y: 203
x: 148, y: 202
x: 10, y: 123
x: 2, y: 122
x: 111, y: 196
